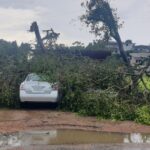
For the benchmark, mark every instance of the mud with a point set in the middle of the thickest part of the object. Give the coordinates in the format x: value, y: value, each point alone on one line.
x: 55, y: 130
x: 24, y: 120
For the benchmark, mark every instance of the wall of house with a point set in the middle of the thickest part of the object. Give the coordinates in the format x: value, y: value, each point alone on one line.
x: 128, y: 47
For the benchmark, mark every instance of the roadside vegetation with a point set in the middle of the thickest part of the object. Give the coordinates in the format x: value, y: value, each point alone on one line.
x: 106, y: 88
x: 89, y: 87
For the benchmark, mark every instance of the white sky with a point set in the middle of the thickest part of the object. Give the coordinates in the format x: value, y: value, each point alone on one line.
x: 63, y: 16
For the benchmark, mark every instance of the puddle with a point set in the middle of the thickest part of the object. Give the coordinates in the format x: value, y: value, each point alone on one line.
x: 59, y: 137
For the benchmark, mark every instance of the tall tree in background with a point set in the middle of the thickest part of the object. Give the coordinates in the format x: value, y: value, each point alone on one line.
x: 103, y: 21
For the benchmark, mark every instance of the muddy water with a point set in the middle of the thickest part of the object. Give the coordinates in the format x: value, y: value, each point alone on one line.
x: 69, y: 137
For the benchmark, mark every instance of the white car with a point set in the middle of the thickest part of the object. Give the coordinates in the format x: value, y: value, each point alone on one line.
x: 33, y: 89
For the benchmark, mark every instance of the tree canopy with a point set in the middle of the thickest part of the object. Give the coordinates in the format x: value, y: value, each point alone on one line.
x: 103, y: 21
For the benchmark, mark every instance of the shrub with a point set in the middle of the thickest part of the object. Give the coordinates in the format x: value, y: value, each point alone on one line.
x: 106, y: 105
x: 9, y: 90
x: 97, y: 103
x: 72, y: 87
x: 143, y: 115
x: 123, y: 111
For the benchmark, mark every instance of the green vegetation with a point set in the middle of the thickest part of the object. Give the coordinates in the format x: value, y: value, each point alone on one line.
x: 143, y: 114
x: 87, y: 86
x: 147, y: 81
x: 13, y: 69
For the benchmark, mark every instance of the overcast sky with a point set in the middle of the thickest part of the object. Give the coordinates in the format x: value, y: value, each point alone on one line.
x: 63, y: 16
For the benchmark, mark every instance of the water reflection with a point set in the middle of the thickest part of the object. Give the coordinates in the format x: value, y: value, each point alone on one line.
x: 136, y: 138
x: 9, y: 140
x: 58, y: 137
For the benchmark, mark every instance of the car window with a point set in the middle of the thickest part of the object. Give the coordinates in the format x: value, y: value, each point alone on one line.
x: 33, y: 78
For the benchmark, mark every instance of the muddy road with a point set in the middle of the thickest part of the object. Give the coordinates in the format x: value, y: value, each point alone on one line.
x: 33, y: 127
x: 24, y: 120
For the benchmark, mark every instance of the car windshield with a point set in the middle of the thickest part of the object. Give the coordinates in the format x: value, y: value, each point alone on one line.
x: 33, y: 77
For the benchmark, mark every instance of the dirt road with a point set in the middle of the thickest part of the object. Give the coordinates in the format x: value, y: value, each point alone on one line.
x: 21, y: 120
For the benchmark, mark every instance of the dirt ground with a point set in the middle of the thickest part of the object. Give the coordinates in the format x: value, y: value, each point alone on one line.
x: 22, y: 120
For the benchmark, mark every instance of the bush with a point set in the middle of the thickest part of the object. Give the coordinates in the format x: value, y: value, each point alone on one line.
x: 97, y: 103
x: 143, y: 115
x: 9, y: 90
x: 123, y: 111
x: 13, y: 69
x: 72, y: 87
x: 106, y: 105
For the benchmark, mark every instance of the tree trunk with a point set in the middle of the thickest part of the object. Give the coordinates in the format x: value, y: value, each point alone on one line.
x: 126, y: 61
x: 35, y: 28
x: 121, y: 50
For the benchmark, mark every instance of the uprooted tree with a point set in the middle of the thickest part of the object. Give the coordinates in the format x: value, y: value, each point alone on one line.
x: 34, y: 28
x: 104, y: 23
x: 49, y: 41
